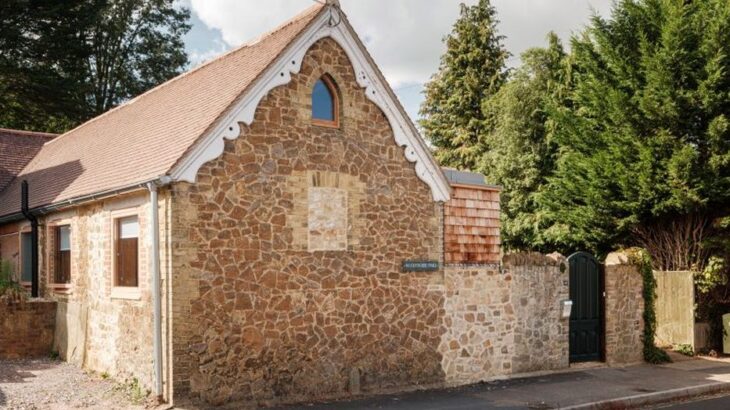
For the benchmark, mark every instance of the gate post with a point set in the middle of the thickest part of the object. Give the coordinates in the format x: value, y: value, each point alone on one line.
x: 624, y: 310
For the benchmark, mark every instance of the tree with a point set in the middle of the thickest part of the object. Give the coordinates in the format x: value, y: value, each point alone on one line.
x: 520, y: 152
x: 644, y: 144
x: 62, y: 63
x: 471, y: 71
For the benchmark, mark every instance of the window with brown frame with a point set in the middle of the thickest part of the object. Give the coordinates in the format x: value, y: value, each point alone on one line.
x: 126, y: 247
x: 325, y: 105
x: 62, y: 271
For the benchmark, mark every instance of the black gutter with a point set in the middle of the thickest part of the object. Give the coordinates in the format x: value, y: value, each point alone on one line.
x: 42, y: 210
x: 33, y: 238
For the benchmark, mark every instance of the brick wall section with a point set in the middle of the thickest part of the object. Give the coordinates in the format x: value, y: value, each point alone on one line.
x: 259, y: 315
x: 502, y: 321
x: 624, y: 310
x: 471, y: 225
x: 26, y: 329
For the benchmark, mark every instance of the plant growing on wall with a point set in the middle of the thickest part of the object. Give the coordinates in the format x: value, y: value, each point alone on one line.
x: 641, y: 258
x: 10, y: 290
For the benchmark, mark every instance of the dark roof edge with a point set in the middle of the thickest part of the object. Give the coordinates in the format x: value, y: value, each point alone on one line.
x: 24, y: 133
x: 467, y: 178
x: 79, y: 200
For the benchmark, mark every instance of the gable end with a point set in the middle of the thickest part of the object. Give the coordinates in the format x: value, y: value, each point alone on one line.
x: 211, y: 145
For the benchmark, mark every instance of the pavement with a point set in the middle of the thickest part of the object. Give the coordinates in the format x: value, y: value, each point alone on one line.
x: 711, y: 403
x: 640, y: 386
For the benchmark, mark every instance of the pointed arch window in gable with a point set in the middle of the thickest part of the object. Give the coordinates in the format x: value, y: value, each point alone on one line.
x: 325, y: 105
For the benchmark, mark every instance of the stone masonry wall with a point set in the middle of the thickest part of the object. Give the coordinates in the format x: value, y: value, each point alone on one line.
x: 479, y: 320
x: 273, y: 299
x: 502, y: 321
x: 539, y: 284
x: 97, y: 327
x: 624, y: 310
x: 26, y: 329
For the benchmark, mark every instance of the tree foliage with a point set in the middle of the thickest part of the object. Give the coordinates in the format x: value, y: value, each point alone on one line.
x: 519, y: 153
x: 645, y: 138
x: 62, y: 63
x: 472, y: 70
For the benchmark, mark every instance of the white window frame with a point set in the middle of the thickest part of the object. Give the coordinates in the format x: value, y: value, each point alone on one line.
x: 63, y: 288
x: 124, y: 292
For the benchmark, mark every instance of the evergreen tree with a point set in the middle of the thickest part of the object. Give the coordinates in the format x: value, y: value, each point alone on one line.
x: 62, y: 63
x: 471, y: 71
x: 520, y: 152
x: 645, y: 140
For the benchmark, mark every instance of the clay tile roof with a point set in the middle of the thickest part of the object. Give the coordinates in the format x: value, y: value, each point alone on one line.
x: 143, y: 138
x: 17, y: 148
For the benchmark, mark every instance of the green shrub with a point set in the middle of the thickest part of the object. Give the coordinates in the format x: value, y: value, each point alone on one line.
x: 685, y: 349
x: 10, y: 290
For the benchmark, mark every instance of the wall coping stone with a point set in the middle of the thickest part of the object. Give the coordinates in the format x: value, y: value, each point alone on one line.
x: 618, y: 258
x: 532, y: 258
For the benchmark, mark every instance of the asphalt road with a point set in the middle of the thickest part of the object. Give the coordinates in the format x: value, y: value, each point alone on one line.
x: 714, y: 403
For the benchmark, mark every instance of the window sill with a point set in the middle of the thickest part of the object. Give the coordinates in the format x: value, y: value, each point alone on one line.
x: 63, y: 288
x: 126, y: 293
x: 325, y: 123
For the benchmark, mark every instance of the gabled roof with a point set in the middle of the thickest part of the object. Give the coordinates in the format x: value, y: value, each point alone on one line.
x: 143, y: 138
x: 17, y: 148
x: 178, y: 126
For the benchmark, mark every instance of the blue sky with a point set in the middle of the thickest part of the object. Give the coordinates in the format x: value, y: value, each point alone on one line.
x: 404, y: 36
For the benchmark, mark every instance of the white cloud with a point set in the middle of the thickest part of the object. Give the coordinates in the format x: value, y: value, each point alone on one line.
x: 405, y: 36
x: 198, y: 57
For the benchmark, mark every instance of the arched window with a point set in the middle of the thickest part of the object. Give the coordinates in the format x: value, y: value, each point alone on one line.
x: 325, y: 107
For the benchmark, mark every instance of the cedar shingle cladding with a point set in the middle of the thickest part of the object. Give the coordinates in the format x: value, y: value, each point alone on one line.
x: 471, y: 225
x: 17, y: 148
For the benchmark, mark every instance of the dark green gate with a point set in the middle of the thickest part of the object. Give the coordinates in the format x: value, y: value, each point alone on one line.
x: 586, y: 318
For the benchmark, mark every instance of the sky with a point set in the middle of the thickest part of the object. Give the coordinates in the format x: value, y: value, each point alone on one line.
x: 404, y: 36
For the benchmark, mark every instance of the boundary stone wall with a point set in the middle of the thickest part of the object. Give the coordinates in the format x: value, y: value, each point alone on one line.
x: 504, y: 321
x: 26, y: 329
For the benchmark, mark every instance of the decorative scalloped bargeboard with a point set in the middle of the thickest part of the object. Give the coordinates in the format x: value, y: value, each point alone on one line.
x: 280, y: 73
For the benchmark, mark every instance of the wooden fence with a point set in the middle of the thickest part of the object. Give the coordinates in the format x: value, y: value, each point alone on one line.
x: 674, y: 308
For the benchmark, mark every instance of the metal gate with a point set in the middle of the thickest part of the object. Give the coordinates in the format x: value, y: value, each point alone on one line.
x: 586, y: 318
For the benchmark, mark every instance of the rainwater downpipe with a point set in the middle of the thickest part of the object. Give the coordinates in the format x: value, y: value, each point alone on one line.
x: 24, y: 208
x: 156, y: 279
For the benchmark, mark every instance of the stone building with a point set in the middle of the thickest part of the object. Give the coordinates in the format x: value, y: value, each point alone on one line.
x: 270, y: 227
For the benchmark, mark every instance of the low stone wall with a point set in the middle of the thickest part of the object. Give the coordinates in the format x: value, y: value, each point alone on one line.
x: 624, y: 310
x: 26, y: 329
x: 501, y: 321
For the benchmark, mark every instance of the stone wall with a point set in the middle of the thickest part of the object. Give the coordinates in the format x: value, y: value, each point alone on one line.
x: 97, y: 327
x: 274, y: 301
x: 504, y: 320
x: 624, y: 310
x: 539, y: 284
x: 478, y: 339
x: 26, y: 329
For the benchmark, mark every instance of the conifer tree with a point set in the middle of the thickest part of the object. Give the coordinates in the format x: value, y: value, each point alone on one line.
x: 520, y: 152
x: 471, y: 71
x: 645, y: 142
